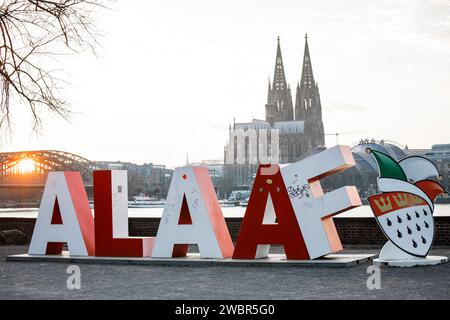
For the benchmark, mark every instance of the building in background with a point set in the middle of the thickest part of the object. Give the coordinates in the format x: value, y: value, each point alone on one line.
x: 146, y: 179
x: 300, y: 129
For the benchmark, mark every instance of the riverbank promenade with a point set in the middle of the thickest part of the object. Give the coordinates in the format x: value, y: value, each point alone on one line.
x: 49, y: 281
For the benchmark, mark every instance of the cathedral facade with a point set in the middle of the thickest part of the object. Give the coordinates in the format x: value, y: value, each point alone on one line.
x: 299, y: 126
x: 305, y: 116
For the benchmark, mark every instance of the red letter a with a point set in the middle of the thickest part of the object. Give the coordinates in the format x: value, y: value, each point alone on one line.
x: 269, y: 219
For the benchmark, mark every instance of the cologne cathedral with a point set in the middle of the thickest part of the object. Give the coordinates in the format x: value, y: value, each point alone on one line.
x: 299, y: 125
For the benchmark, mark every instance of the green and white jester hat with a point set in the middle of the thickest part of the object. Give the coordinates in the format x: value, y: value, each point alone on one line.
x: 410, y: 175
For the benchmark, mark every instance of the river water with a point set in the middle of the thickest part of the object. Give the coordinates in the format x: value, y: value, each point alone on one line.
x: 228, y: 212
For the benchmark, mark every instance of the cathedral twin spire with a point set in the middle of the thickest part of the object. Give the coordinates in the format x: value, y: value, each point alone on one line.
x: 279, y: 105
x: 307, y: 80
x: 279, y: 101
x: 279, y: 77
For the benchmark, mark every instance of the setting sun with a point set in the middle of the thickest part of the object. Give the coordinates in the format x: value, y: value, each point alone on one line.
x: 26, y: 166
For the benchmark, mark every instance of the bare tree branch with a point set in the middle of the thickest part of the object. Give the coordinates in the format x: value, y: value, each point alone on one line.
x: 30, y: 31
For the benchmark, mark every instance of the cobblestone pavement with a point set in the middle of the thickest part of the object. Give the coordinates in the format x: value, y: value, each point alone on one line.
x: 48, y: 281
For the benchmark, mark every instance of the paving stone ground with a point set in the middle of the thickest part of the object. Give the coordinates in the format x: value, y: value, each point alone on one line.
x: 48, y: 281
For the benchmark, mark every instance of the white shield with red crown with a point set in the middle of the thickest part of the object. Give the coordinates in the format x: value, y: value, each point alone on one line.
x: 406, y: 220
x: 404, y: 209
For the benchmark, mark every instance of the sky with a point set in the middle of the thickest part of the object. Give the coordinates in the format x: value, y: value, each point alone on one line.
x: 171, y: 75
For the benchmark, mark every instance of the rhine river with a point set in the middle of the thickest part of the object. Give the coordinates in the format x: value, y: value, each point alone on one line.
x: 228, y: 212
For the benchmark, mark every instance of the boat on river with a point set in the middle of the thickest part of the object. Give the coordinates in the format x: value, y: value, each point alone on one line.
x: 146, y: 202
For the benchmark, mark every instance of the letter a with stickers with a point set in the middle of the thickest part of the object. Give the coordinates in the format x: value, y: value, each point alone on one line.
x: 192, y: 215
x: 269, y: 220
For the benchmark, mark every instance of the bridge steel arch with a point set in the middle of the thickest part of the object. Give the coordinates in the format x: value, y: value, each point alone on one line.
x: 44, y: 161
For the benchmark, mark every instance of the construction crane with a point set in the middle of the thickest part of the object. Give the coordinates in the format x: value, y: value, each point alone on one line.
x: 334, y: 134
x: 337, y: 134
